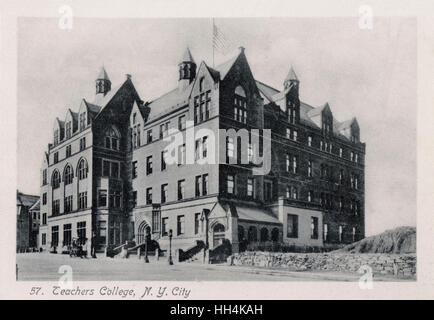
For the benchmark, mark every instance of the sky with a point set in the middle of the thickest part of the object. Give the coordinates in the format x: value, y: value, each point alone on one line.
x: 366, y: 73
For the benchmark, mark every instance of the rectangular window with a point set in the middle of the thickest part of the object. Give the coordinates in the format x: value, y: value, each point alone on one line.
x: 180, y: 225
x: 205, y: 184
x: 44, y: 218
x: 196, y: 223
x: 181, y: 155
x: 341, y: 231
x: 230, y: 184
x: 149, y: 195
x: 149, y: 136
x: 268, y: 191
x: 340, y: 152
x: 67, y: 204
x: 81, y: 230
x: 164, y: 130
x: 67, y: 234
x: 102, y: 198
x: 134, y: 167
x: 149, y: 165
x: 309, y: 141
x: 314, y: 228
x: 56, y: 207
x: 163, y: 193
x: 250, y: 187
x: 44, y: 239
x: 164, y: 226
x: 309, y: 196
x: 156, y: 217
x: 163, y: 160
x: 44, y: 177
x: 83, y: 143
x: 292, y: 226
x: 288, y: 162
x: 309, y: 168
x: 198, y: 186
x: 105, y: 168
x: 68, y: 151
x: 134, y: 198
x: 181, y: 189
x: 44, y: 198
x: 294, y: 164
x: 54, y: 236
x: 326, y: 231
x: 181, y: 123
x: 56, y: 157
x: 288, y: 133
x: 114, y: 169
x: 82, y: 200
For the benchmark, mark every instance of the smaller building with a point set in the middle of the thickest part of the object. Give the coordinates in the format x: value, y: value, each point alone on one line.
x: 24, y: 220
x: 35, y: 217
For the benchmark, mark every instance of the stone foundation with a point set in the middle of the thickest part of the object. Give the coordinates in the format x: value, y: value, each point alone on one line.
x: 392, y: 264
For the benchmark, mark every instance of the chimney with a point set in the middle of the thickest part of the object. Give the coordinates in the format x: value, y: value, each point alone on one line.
x: 241, y: 49
x: 128, y: 76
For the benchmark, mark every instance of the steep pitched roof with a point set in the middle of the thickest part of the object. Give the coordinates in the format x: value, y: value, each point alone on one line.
x: 187, y: 57
x: 26, y: 200
x: 36, y: 205
x: 103, y: 74
x: 169, y: 101
x: 266, y: 91
x: 291, y: 75
x: 225, y: 67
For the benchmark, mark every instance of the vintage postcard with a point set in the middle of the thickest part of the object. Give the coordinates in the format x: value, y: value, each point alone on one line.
x: 194, y: 154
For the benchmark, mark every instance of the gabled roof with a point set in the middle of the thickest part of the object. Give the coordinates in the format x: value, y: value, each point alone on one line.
x: 318, y: 110
x: 169, y: 101
x: 345, y: 124
x: 225, y: 67
x: 26, y: 200
x: 36, y: 206
x: 266, y: 91
x: 61, y: 123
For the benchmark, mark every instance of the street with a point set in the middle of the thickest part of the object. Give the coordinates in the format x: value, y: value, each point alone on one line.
x: 45, y: 267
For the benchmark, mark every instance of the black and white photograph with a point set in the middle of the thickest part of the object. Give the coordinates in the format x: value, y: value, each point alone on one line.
x: 225, y: 149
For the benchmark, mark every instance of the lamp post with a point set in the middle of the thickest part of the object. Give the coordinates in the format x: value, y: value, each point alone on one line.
x: 170, y: 247
x: 146, y: 245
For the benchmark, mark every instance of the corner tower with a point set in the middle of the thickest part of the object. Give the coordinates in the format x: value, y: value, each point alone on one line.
x: 102, y: 82
x: 187, y: 69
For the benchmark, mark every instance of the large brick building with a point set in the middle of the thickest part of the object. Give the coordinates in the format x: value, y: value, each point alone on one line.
x: 107, y: 172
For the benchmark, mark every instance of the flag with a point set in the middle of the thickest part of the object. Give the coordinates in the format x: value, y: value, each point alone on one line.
x: 220, y: 42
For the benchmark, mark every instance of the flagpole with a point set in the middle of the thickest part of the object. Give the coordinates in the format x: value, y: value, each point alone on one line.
x: 212, y: 38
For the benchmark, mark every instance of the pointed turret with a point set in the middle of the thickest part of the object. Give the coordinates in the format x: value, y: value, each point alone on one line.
x: 291, y: 79
x: 103, y: 83
x: 187, y: 69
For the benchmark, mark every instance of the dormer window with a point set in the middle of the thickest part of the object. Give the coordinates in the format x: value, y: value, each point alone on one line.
x: 240, y: 105
x: 83, y: 121
x: 68, y: 130
x: 56, y: 137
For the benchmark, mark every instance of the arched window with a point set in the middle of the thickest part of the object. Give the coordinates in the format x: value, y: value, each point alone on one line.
x: 201, y: 82
x: 275, y: 235
x: 264, y: 234
x: 253, y: 234
x: 112, y: 138
x: 240, y: 105
x: 82, y: 169
x: 55, y: 179
x: 68, y: 175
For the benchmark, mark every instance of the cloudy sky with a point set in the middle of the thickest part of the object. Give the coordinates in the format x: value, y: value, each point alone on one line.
x: 370, y: 74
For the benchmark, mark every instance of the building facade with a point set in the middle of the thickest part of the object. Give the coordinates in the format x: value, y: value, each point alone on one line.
x: 185, y: 165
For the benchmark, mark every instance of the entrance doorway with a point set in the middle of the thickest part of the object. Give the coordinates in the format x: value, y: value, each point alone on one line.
x: 143, y: 230
x: 218, y: 234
